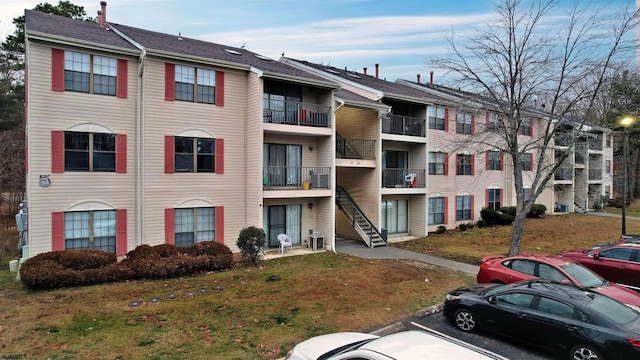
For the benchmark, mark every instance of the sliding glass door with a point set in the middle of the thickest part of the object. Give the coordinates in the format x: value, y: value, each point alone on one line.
x: 283, y: 219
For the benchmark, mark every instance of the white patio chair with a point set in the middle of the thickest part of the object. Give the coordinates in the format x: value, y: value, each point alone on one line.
x: 285, y: 241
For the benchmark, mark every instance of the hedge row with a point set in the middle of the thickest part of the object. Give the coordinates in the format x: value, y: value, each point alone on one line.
x: 70, y: 268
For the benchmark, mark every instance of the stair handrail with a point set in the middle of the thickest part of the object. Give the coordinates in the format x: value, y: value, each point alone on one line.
x: 342, y: 191
x: 348, y: 144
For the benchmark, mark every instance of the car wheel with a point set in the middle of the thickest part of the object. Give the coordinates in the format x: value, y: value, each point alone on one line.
x: 464, y: 320
x: 584, y: 352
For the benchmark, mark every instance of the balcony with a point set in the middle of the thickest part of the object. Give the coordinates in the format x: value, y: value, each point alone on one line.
x: 562, y: 139
x: 403, y: 125
x: 563, y: 174
x: 403, y: 178
x: 363, y: 149
x: 595, y: 144
x: 296, y: 178
x: 296, y: 113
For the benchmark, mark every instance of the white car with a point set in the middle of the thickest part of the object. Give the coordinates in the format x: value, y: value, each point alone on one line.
x: 407, y: 345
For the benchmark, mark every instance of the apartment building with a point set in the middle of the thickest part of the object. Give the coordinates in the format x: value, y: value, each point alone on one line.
x: 137, y: 137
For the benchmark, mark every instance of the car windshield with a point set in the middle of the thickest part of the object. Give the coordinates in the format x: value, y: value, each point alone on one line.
x: 584, y: 277
x: 612, y: 309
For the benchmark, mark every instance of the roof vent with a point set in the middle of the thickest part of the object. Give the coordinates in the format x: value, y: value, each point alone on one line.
x: 331, y: 71
x: 262, y: 57
x: 353, y: 75
x: 232, y: 52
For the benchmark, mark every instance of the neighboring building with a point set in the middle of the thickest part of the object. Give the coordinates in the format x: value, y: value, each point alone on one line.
x: 136, y: 137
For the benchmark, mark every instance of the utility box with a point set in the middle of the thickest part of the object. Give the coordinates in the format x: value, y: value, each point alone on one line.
x: 316, y: 241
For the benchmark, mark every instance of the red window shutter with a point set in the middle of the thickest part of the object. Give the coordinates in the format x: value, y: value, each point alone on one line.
x: 531, y: 127
x: 220, y: 224
x: 57, y: 70
x: 486, y: 166
x: 530, y: 162
x: 121, y: 153
x: 486, y: 120
x: 169, y: 82
x: 472, y: 208
x: 486, y: 198
x: 121, y: 232
x: 446, y: 120
x: 446, y: 210
x: 473, y: 124
x: 473, y: 164
x: 219, y: 88
x: 121, y: 81
x: 501, y: 161
x: 446, y: 164
x: 57, y: 151
x: 169, y: 155
x: 219, y: 156
x: 57, y: 231
x: 169, y: 227
x: 26, y: 154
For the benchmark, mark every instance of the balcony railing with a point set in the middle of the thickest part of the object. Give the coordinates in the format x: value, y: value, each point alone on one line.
x: 296, y: 113
x: 563, y: 174
x: 595, y: 174
x: 355, y: 148
x: 403, y: 125
x: 562, y: 139
x: 296, y: 177
x: 403, y: 178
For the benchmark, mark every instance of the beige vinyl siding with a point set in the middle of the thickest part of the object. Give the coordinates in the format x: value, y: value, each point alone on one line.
x: 52, y: 110
x: 163, y: 118
x: 254, y: 149
x: 310, y: 219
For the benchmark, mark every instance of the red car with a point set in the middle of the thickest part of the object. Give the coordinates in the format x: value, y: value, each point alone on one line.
x: 619, y: 262
x: 505, y: 270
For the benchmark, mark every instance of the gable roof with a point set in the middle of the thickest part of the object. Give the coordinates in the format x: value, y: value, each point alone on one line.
x: 351, y: 98
x: 390, y: 90
x: 61, y: 29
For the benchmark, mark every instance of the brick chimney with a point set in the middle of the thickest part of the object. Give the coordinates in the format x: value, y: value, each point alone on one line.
x: 102, y: 15
x: 365, y: 70
x: 430, y: 78
x: 377, y: 67
x: 418, y: 78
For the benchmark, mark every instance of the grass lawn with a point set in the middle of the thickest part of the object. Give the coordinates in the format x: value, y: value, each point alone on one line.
x: 261, y: 312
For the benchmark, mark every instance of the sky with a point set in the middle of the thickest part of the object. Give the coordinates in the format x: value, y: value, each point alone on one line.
x: 399, y: 35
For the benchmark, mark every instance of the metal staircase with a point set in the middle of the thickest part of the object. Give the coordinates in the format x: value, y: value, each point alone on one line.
x: 344, y: 149
x: 367, y: 231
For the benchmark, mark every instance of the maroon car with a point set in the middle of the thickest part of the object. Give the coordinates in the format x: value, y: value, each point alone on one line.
x: 619, y: 262
x: 505, y: 270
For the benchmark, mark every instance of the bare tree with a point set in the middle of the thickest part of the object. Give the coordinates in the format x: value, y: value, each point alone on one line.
x: 536, y: 52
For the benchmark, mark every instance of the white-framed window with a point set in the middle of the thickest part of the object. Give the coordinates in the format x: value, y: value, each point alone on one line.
x: 527, y: 161
x: 81, y: 70
x: 395, y: 216
x: 495, y: 160
x: 436, y: 211
x: 90, y: 230
x: 195, y: 154
x: 464, y: 123
x: 463, y: 207
x: 89, y: 152
x: 436, y: 163
x: 494, y: 122
x: 193, y: 225
x: 525, y: 127
x: 495, y: 199
x: 437, y: 118
x: 195, y: 84
x: 464, y: 164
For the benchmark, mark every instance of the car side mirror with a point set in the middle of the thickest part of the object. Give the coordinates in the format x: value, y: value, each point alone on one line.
x: 491, y: 299
x: 565, y: 282
x: 596, y: 256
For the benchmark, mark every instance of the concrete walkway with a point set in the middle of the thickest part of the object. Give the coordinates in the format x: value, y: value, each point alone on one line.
x: 359, y: 249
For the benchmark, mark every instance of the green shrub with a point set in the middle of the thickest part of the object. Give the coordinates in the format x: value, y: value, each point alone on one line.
x: 537, y: 210
x: 251, y: 241
x: 470, y: 226
x: 462, y: 227
x: 504, y: 219
x: 441, y: 229
x: 489, y: 215
x: 511, y: 210
x: 481, y: 223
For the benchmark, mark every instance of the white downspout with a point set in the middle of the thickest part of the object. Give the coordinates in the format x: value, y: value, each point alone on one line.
x: 139, y: 147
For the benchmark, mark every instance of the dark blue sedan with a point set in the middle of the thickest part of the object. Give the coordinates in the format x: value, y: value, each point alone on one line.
x: 565, y: 319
